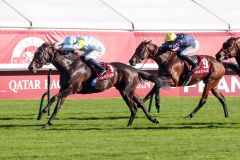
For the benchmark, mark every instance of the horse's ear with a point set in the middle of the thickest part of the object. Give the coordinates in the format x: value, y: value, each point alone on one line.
x: 147, y: 42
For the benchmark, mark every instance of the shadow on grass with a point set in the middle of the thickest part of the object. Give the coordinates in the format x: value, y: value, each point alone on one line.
x: 164, y: 126
x: 210, y: 125
x: 18, y: 125
x: 18, y: 118
x: 173, y: 126
x: 96, y: 118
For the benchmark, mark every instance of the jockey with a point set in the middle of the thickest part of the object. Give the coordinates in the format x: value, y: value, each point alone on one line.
x: 186, y: 43
x: 91, y: 47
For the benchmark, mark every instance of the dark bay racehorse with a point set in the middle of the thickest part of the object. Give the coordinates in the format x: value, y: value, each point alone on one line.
x: 175, y: 71
x: 75, y: 77
x: 230, y: 49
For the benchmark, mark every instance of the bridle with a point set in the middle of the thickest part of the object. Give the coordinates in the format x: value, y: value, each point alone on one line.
x: 146, y: 50
x: 40, y: 61
x: 152, y: 55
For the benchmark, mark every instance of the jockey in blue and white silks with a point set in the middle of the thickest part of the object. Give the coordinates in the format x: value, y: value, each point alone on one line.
x: 185, y: 44
x: 91, y: 47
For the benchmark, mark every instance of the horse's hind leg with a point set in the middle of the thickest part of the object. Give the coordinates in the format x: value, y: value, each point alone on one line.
x: 221, y: 98
x: 141, y: 105
x: 202, y: 101
x: 132, y: 107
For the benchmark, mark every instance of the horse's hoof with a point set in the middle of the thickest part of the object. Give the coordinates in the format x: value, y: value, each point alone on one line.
x: 46, y: 126
x: 188, y: 116
x: 39, y: 118
x: 156, y: 121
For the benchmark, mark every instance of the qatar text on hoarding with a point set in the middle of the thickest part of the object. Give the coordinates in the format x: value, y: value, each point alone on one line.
x: 20, y: 85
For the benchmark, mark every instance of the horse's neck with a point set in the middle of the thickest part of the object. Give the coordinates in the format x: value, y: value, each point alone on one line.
x: 62, y: 62
x: 164, y: 58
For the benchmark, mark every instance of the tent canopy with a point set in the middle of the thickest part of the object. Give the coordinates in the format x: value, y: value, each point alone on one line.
x: 139, y: 15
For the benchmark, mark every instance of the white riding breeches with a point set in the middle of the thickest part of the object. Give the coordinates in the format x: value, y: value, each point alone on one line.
x: 190, y: 49
x: 94, y: 53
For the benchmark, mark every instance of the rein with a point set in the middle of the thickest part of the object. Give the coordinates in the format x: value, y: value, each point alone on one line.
x: 155, y: 54
x: 52, y: 56
x: 168, y: 59
x: 149, y: 54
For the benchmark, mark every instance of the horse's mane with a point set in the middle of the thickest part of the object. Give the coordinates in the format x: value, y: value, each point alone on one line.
x: 69, y: 55
x: 164, y: 50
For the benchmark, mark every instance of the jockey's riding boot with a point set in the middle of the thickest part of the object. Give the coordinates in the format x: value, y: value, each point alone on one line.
x: 189, y: 60
x: 95, y: 65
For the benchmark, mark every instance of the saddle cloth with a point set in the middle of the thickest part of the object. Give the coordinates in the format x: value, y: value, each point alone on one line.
x: 202, y: 63
x: 109, y: 71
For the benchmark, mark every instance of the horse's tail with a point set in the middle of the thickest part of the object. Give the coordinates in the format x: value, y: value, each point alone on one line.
x: 229, y: 67
x: 153, y: 78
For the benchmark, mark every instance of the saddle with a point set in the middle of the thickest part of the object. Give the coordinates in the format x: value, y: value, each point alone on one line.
x: 203, y: 68
x: 202, y: 63
x: 109, y: 71
x: 97, y: 77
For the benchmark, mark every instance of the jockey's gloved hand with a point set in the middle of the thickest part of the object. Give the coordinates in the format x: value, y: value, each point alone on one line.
x: 77, y: 52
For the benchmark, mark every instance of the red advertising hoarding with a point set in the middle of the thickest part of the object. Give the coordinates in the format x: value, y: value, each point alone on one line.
x: 18, y: 47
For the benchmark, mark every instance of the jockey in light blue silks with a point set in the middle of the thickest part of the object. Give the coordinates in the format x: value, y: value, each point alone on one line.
x: 91, y: 47
x: 185, y: 43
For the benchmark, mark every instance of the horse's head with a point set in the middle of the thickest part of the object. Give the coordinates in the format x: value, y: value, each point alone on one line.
x: 229, y: 49
x: 43, y: 56
x: 142, y: 52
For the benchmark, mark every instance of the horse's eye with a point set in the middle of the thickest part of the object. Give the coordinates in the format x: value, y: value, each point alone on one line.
x: 142, y: 49
x: 226, y: 45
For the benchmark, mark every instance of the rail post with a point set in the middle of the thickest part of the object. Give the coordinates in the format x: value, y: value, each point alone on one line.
x: 47, y: 93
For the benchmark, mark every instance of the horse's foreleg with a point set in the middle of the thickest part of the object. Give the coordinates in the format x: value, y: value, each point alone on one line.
x: 40, y: 115
x: 60, y: 97
x: 157, y: 100
x: 151, y: 93
x: 57, y: 108
x: 142, y: 106
x: 221, y: 98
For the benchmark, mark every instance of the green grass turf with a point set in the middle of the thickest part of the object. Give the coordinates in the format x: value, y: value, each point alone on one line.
x: 96, y: 129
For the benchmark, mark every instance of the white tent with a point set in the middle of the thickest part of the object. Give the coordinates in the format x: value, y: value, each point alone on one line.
x: 10, y: 18
x: 139, y: 15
